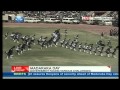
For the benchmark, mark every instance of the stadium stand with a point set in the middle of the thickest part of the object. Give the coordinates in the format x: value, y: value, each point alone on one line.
x: 63, y: 14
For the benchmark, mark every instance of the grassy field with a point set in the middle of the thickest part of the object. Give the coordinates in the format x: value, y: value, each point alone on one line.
x: 54, y: 56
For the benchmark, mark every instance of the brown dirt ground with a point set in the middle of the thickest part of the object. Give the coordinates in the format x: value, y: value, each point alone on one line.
x: 91, y: 28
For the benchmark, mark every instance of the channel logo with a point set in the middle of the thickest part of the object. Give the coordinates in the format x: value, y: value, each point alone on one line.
x: 20, y: 69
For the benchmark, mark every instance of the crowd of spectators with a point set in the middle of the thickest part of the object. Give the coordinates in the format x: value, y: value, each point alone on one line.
x: 43, y: 14
x: 57, y: 13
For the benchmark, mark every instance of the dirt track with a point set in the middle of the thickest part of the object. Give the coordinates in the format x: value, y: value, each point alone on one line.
x: 91, y: 28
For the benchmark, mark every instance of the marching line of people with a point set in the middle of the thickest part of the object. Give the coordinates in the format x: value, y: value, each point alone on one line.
x: 100, y: 48
x: 27, y: 41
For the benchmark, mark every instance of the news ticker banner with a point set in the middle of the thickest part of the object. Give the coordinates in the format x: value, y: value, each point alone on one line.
x: 61, y: 69
x: 62, y: 74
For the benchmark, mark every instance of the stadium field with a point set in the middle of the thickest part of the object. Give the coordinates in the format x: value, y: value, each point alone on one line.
x: 56, y: 56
